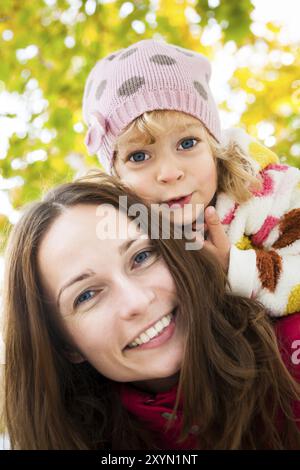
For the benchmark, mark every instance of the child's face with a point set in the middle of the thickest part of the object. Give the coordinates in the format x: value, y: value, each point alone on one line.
x: 112, y: 291
x: 178, y: 168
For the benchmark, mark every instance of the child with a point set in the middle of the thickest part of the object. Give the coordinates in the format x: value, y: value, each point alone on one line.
x: 153, y: 123
x: 103, y: 335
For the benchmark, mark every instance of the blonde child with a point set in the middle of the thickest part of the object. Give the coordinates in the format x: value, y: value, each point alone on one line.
x: 153, y: 122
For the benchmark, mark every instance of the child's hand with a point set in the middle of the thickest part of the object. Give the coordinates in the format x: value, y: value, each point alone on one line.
x: 217, y: 243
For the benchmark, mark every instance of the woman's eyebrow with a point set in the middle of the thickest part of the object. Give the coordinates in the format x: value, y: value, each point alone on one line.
x: 85, y: 275
x: 127, y: 244
x: 72, y: 281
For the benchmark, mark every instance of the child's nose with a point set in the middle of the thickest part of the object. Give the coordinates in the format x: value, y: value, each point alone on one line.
x: 169, y: 173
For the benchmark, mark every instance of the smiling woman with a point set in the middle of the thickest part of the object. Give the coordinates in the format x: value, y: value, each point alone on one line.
x: 132, y: 343
x: 110, y: 313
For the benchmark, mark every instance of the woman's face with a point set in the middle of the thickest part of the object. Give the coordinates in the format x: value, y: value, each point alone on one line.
x: 111, y: 294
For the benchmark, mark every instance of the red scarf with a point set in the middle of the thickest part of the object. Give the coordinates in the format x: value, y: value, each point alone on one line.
x: 155, y: 410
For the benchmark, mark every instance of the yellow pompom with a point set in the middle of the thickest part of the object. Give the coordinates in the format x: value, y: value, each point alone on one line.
x: 244, y: 243
x: 293, y: 304
x: 262, y: 155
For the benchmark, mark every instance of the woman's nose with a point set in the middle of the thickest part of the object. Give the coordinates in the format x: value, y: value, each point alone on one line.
x: 133, y: 299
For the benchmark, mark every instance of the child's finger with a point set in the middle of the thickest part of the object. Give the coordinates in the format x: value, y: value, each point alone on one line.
x: 216, y: 230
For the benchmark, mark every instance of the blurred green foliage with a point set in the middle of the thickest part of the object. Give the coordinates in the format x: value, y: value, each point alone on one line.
x: 233, y: 16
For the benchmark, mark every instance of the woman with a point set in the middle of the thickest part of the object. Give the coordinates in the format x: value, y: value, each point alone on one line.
x: 109, y: 337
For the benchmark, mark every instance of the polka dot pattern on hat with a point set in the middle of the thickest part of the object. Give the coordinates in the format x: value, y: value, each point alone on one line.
x: 162, y: 59
x: 128, y: 53
x: 100, y: 89
x: 88, y: 89
x: 201, y: 90
x: 131, y: 86
x: 112, y: 57
x: 146, y: 76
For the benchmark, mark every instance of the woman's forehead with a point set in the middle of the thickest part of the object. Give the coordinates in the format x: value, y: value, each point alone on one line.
x: 83, y: 233
x: 85, y: 224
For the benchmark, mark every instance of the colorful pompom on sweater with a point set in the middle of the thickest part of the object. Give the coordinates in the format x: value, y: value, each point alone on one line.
x: 265, y: 232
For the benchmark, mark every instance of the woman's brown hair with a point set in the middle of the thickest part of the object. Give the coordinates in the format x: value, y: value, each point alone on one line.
x: 233, y: 380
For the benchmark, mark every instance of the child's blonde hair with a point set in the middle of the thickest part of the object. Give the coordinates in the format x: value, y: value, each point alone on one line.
x: 237, y: 173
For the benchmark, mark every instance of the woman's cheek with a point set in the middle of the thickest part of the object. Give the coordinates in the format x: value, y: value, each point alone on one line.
x: 163, y: 277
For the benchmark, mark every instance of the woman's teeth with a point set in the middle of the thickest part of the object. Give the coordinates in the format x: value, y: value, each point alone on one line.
x: 155, y: 330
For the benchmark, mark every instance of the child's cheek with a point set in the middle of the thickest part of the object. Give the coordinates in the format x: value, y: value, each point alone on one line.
x: 209, y: 173
x: 208, y: 182
x: 141, y: 186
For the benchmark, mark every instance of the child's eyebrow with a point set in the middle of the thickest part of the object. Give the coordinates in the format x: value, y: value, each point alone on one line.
x: 188, y: 127
x: 138, y: 139
x: 143, y: 139
x: 133, y: 142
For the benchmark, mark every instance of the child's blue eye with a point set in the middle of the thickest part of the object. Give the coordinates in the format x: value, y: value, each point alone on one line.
x: 84, y: 297
x: 188, y: 143
x: 138, y: 157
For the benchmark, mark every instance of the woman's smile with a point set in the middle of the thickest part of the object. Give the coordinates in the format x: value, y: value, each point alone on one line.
x: 156, y: 335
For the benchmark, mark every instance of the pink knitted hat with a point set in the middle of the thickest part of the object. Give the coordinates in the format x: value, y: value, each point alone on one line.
x: 146, y: 76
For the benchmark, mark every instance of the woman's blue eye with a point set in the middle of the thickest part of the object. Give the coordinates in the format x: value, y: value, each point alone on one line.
x: 142, y: 256
x: 87, y: 295
x: 188, y: 143
x: 138, y: 157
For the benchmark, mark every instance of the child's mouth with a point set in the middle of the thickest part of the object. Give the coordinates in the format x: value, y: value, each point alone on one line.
x: 179, y: 203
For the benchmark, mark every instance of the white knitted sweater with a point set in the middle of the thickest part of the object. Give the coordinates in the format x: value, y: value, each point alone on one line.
x: 265, y: 232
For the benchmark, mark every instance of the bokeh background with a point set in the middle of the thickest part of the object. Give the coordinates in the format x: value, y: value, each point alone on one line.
x: 47, y: 48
